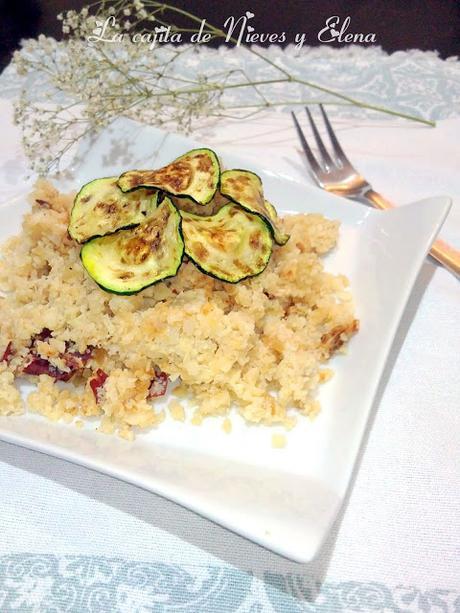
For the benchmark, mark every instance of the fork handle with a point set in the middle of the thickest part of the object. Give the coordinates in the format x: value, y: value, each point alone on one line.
x: 441, y: 251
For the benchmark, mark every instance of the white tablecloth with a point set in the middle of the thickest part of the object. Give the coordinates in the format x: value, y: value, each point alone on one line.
x: 74, y: 540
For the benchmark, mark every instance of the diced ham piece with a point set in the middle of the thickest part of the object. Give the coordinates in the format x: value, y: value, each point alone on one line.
x: 40, y: 366
x: 43, y: 336
x: 7, y: 353
x: 159, y: 385
x: 97, y: 382
x: 85, y: 356
x: 76, y: 360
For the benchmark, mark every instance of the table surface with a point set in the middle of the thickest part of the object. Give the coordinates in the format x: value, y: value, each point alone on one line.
x: 75, y: 540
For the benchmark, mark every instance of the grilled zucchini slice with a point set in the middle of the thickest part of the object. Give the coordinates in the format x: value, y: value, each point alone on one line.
x: 130, y: 260
x: 188, y: 205
x: 281, y: 238
x: 245, y: 188
x: 100, y: 207
x: 231, y: 245
x: 194, y: 174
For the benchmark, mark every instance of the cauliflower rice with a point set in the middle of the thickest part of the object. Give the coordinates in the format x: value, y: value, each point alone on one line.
x: 259, y: 346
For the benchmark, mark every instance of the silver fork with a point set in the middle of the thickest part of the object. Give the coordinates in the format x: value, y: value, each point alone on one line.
x: 336, y: 174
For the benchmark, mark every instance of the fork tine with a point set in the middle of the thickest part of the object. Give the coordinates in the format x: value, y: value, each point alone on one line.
x: 315, y: 167
x: 319, y: 141
x: 334, y: 141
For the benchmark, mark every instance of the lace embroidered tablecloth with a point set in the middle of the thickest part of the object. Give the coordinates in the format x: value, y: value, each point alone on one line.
x: 74, y: 540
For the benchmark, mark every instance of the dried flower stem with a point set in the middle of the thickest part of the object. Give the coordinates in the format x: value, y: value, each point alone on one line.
x: 292, y: 79
x: 89, y: 86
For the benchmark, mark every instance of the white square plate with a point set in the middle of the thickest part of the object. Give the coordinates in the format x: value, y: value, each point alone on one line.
x: 283, y: 499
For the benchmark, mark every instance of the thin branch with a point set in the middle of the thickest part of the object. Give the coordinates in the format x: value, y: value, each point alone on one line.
x: 153, y: 89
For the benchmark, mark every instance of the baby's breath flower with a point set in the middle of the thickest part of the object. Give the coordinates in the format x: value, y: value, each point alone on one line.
x: 83, y: 87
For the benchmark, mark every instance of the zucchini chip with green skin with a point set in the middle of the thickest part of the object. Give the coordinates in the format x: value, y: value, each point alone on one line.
x: 194, y: 174
x: 231, y: 245
x: 245, y: 188
x: 130, y: 260
x: 100, y: 207
x: 189, y: 206
x: 281, y: 238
